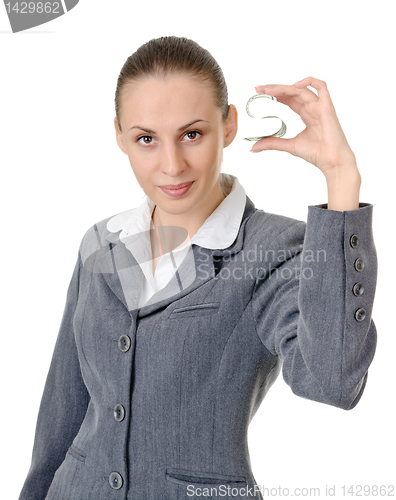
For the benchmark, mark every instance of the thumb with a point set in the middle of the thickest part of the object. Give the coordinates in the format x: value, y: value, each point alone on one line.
x: 274, y: 143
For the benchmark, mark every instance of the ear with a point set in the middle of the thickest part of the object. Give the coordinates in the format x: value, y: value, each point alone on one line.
x: 231, y: 125
x: 119, y: 137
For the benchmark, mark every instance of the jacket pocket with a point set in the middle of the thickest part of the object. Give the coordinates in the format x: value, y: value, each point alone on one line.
x: 195, y: 310
x: 203, y: 479
x: 77, y: 453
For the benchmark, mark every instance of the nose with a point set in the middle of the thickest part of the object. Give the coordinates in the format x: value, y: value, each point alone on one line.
x: 172, y: 159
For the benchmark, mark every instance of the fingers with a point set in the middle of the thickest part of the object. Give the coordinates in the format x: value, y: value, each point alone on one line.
x: 299, y: 90
x: 285, y: 94
x: 282, y: 92
x: 274, y: 143
x: 321, y: 87
x: 318, y: 85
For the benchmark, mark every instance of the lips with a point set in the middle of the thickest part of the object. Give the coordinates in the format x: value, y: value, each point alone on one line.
x: 177, y: 190
x: 176, y: 186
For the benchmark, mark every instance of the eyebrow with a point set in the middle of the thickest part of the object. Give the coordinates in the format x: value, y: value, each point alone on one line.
x: 149, y: 131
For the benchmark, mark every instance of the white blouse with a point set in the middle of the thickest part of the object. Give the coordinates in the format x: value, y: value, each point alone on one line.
x: 217, y: 232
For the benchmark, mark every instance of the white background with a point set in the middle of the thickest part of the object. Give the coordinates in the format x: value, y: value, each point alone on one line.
x: 62, y: 171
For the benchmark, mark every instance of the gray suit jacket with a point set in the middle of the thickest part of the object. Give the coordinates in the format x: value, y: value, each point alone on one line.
x: 155, y: 403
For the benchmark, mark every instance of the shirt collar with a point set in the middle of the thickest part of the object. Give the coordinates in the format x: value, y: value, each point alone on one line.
x: 218, y: 231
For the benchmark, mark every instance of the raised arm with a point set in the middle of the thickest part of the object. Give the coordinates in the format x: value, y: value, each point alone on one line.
x: 318, y: 320
x: 319, y: 323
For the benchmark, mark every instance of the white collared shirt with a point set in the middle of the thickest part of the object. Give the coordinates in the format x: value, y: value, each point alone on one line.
x: 218, y: 231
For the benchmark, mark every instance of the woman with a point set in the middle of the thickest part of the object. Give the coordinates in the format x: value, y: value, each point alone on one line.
x: 181, y: 312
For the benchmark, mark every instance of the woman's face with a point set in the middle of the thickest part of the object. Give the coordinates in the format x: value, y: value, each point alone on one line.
x: 173, y: 133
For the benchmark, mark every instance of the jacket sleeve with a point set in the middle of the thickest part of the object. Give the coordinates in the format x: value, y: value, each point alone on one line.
x: 313, y: 309
x: 63, y: 404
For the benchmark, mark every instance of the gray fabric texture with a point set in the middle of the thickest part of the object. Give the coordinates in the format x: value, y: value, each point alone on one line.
x: 201, y: 358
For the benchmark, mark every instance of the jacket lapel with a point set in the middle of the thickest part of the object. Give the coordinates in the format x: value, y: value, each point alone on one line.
x: 125, y: 277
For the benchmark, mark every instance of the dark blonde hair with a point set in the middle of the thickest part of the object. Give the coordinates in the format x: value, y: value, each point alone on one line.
x: 171, y: 54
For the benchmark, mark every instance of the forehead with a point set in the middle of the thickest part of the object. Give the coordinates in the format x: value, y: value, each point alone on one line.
x: 164, y: 98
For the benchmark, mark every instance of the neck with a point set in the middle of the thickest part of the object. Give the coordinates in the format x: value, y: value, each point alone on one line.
x: 190, y: 221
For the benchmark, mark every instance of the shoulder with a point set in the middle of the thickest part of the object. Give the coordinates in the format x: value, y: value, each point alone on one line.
x: 272, y: 236
x: 104, y: 233
x: 270, y: 228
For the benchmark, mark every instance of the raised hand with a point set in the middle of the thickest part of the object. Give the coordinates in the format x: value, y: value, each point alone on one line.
x: 322, y: 142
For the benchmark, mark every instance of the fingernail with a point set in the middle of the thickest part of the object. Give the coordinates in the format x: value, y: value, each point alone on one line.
x: 252, y: 151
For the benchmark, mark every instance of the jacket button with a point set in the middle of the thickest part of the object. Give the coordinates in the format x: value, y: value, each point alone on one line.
x: 360, y: 314
x: 359, y: 264
x: 119, y: 412
x: 124, y: 343
x: 354, y: 241
x: 115, y: 480
x: 358, y: 289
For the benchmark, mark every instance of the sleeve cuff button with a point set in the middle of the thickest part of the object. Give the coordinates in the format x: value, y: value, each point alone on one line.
x: 360, y: 314
x: 354, y: 241
x: 359, y: 264
x: 358, y: 289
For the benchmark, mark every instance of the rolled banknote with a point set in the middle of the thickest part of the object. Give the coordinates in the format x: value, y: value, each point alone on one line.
x: 281, y: 132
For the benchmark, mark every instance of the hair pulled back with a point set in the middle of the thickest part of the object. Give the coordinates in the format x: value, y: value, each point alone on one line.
x: 171, y: 54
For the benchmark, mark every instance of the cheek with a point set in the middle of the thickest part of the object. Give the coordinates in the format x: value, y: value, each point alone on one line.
x: 139, y: 162
x: 139, y: 168
x: 209, y: 154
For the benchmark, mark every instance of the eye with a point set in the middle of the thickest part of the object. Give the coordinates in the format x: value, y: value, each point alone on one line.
x: 147, y: 139
x: 192, y: 134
